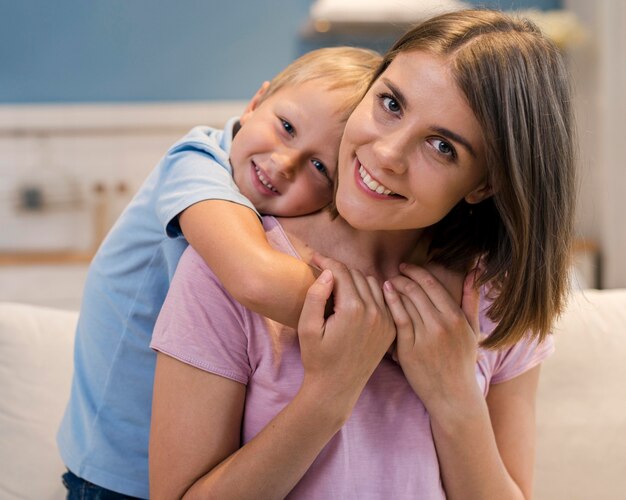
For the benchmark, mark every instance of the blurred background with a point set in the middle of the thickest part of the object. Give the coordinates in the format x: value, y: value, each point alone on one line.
x: 93, y: 93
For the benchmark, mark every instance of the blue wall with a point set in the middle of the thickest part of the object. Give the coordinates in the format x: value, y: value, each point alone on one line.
x: 153, y: 50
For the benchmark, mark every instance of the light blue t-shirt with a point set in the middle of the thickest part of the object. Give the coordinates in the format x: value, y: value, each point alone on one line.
x: 104, y: 434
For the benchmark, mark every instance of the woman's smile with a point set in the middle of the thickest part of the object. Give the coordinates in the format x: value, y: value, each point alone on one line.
x: 412, y: 140
x: 372, y: 184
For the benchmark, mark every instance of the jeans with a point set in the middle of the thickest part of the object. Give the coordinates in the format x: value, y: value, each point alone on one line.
x: 79, y: 489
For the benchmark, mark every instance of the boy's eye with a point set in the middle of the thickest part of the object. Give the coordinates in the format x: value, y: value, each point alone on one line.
x: 443, y: 147
x: 288, y: 127
x: 320, y: 167
x: 390, y: 103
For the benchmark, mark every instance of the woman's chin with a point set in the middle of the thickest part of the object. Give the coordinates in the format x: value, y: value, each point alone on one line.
x: 353, y: 215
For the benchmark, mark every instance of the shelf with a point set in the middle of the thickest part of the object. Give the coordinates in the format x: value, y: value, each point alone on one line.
x: 45, y: 257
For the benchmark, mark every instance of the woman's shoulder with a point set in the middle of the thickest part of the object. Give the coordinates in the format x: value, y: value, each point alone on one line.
x: 508, y: 362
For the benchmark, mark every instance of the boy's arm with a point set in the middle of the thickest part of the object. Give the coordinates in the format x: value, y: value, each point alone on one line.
x: 231, y: 240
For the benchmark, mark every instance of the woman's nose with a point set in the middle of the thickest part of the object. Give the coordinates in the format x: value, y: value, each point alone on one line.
x: 390, y: 153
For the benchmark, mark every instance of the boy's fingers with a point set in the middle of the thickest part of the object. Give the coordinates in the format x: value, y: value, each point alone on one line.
x: 312, y: 316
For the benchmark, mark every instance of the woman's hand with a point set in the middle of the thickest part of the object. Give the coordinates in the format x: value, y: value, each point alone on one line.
x: 340, y: 353
x: 452, y: 281
x: 436, y: 339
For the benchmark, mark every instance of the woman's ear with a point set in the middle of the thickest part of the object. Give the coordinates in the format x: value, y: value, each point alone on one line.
x: 479, y: 194
x: 254, y: 102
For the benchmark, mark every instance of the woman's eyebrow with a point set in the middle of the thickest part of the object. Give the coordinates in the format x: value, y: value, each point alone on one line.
x: 397, y: 93
x: 457, y: 138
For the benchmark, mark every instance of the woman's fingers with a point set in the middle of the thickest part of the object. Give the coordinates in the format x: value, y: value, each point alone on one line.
x: 345, y: 291
x: 405, y: 324
x: 434, y: 290
x: 416, y: 300
x: 352, y: 289
x: 451, y: 280
x: 354, y: 339
x: 377, y: 291
x: 312, y: 317
x: 362, y: 285
x: 322, y: 261
x: 369, y: 289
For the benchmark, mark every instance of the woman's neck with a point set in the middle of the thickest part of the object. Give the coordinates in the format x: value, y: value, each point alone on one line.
x: 374, y: 253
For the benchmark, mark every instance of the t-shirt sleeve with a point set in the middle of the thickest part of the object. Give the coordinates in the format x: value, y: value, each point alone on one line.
x: 521, y: 357
x: 190, y: 174
x: 506, y: 364
x: 201, y: 324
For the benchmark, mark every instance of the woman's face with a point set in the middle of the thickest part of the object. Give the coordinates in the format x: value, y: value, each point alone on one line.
x: 411, y: 150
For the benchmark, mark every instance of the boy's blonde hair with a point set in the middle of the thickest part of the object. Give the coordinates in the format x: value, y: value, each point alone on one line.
x: 337, y: 68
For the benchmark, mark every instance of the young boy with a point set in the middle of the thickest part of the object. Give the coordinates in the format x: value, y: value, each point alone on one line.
x: 278, y: 158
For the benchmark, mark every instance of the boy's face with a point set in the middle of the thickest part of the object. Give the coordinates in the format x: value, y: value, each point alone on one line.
x: 284, y: 157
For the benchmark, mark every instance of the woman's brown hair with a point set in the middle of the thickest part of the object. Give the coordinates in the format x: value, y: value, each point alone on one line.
x: 516, y: 83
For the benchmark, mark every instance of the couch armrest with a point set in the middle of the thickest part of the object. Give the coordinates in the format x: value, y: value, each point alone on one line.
x: 581, y: 406
x: 36, y: 350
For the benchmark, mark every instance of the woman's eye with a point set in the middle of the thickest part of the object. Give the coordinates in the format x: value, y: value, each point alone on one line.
x: 391, y: 104
x: 288, y: 127
x: 320, y: 167
x: 444, y: 148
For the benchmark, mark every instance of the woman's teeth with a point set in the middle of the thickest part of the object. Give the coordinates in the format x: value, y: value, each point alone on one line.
x: 372, y: 184
x: 264, y: 180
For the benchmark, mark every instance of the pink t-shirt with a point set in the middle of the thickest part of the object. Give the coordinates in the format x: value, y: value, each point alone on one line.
x: 385, y: 449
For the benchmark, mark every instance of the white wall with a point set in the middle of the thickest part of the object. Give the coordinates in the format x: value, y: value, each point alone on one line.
x: 69, y: 150
x: 599, y: 70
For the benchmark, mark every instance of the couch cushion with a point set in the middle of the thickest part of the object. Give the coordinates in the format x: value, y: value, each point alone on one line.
x: 36, y: 345
x: 581, y: 406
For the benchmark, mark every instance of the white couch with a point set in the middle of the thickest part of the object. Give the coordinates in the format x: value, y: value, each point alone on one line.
x: 581, y: 448
x: 36, y: 345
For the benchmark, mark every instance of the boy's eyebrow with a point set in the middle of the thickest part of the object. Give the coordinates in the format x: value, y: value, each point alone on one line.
x: 440, y: 130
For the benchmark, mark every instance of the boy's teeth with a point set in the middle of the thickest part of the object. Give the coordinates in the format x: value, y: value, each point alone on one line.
x: 263, y: 179
x: 372, y: 184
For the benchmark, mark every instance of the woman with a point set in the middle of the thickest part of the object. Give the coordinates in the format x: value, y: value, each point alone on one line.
x: 460, y: 152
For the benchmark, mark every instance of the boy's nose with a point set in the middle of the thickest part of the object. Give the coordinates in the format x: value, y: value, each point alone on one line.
x: 285, y: 163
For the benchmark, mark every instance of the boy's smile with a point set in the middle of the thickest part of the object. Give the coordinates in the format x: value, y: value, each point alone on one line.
x: 263, y: 178
x: 284, y: 156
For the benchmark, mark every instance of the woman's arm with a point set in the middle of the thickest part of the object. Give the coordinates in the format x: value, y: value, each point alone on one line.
x: 484, y: 447
x: 231, y: 240
x: 486, y: 450
x: 197, y: 416
x: 195, y: 424
x: 513, y: 418
x: 195, y: 438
